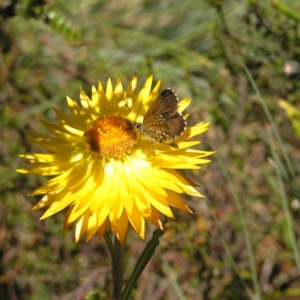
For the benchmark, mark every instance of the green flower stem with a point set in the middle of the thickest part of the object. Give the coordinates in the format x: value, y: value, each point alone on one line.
x: 118, y: 269
x: 142, y: 262
x: 110, y: 245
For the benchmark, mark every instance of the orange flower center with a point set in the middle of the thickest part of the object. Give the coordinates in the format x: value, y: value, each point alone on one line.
x: 110, y: 136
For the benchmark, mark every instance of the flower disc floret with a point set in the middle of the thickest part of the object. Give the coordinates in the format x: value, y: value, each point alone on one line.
x: 110, y: 136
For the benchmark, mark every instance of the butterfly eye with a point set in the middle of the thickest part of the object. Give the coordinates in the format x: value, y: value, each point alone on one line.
x: 137, y: 125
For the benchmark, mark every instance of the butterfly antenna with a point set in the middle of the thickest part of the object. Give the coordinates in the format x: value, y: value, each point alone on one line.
x: 152, y: 149
x: 125, y: 100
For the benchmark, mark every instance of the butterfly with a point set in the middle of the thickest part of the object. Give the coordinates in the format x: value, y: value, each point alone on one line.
x: 162, y: 122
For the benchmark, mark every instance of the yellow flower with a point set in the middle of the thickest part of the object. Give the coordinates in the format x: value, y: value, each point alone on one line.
x: 105, y: 171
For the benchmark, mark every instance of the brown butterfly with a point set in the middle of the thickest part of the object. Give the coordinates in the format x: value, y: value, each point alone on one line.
x: 162, y: 122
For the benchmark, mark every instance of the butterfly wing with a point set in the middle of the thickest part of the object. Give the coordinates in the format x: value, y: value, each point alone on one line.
x: 166, y: 103
x: 162, y: 123
x: 154, y: 126
x: 176, y: 124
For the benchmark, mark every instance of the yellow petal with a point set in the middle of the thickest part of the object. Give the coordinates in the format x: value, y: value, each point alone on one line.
x: 104, y: 105
x: 158, y: 201
x: 175, y: 200
x: 92, y: 226
x: 155, y: 218
x: 137, y: 222
x: 102, y: 228
x: 183, y: 104
x: 81, y: 226
x: 145, y: 91
x: 121, y: 228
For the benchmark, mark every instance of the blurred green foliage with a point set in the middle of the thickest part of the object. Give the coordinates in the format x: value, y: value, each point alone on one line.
x: 48, y: 49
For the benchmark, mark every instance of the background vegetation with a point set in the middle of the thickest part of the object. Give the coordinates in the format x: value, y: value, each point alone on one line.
x: 229, y: 57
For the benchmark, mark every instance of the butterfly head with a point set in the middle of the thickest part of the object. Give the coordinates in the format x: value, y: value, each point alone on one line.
x: 137, y: 125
